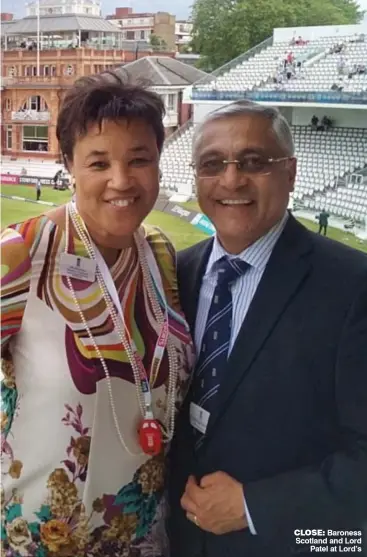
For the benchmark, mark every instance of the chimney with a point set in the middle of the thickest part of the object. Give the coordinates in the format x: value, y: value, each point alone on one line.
x: 6, y: 17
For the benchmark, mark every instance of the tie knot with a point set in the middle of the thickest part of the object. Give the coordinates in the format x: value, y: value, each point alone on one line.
x: 229, y: 270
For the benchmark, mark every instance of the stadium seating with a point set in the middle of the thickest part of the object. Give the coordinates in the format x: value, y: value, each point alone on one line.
x: 346, y: 202
x: 324, y: 158
x: 175, y: 161
x: 34, y: 167
x: 263, y: 66
x: 323, y: 74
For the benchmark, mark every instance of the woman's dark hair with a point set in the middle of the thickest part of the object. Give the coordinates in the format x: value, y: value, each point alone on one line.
x: 106, y: 96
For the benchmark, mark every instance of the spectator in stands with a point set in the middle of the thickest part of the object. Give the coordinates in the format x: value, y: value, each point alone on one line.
x: 353, y: 71
x: 341, y: 66
x: 38, y: 189
x: 301, y: 42
x: 358, y: 38
x: 290, y: 72
x: 338, y: 48
x: 314, y: 122
x: 278, y: 79
x: 323, y: 219
x: 326, y: 123
x: 273, y: 436
x: 336, y: 87
x: 95, y: 345
x: 290, y: 58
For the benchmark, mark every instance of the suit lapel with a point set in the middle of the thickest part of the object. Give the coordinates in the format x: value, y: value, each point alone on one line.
x: 287, y: 269
x: 191, y: 269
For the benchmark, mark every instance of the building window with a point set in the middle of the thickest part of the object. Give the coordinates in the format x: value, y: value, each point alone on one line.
x: 9, y: 137
x: 142, y: 35
x: 53, y: 71
x: 35, y: 138
x: 34, y: 71
x: 130, y: 35
x: 12, y: 71
x: 36, y: 103
x: 8, y: 104
x: 171, y: 102
x: 46, y: 71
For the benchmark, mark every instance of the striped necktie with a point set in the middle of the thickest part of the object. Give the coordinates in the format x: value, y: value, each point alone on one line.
x: 216, y: 339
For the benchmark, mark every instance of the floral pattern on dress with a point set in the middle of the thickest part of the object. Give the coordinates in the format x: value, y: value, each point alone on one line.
x: 9, y: 406
x: 62, y: 529
x: 78, y: 450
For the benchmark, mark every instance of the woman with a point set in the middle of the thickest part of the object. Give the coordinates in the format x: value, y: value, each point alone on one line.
x: 95, y: 347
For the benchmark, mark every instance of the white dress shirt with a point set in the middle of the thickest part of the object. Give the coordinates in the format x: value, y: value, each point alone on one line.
x: 243, y: 290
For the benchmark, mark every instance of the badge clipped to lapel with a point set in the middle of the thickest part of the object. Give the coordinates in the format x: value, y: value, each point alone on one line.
x: 80, y: 268
x: 199, y: 417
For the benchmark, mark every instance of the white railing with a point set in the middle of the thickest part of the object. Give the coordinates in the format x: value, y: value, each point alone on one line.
x: 30, y: 115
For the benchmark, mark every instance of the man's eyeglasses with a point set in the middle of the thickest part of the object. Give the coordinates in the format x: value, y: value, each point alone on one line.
x: 215, y: 167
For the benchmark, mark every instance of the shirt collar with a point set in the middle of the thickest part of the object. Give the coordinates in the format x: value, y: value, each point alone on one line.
x: 257, y: 255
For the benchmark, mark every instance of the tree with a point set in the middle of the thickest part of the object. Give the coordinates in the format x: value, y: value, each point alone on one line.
x: 224, y: 29
x: 185, y: 49
x: 157, y: 43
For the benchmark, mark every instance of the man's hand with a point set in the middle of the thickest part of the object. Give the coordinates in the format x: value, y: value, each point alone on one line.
x: 216, y: 505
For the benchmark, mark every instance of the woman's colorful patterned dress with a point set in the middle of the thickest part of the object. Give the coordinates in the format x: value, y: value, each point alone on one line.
x: 69, y: 488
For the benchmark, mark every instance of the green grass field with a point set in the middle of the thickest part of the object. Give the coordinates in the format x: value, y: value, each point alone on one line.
x: 181, y: 233
x: 334, y: 233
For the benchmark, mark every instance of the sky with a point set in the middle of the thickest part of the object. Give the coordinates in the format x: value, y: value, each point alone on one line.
x: 180, y: 8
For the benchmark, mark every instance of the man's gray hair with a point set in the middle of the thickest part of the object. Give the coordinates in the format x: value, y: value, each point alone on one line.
x: 279, y: 123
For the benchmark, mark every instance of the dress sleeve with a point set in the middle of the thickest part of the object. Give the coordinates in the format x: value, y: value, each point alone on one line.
x: 165, y: 255
x: 15, y: 283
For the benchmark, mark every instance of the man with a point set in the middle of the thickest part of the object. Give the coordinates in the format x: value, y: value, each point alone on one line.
x: 323, y: 221
x: 38, y: 189
x: 314, y: 122
x: 273, y: 439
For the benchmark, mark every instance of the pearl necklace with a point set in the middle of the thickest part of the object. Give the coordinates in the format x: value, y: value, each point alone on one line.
x: 168, y: 424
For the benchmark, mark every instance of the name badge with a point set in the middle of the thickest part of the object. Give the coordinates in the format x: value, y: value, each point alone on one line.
x: 199, y: 417
x: 75, y: 267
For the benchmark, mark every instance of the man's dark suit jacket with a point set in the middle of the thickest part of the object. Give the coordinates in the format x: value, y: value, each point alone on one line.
x: 291, y: 416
